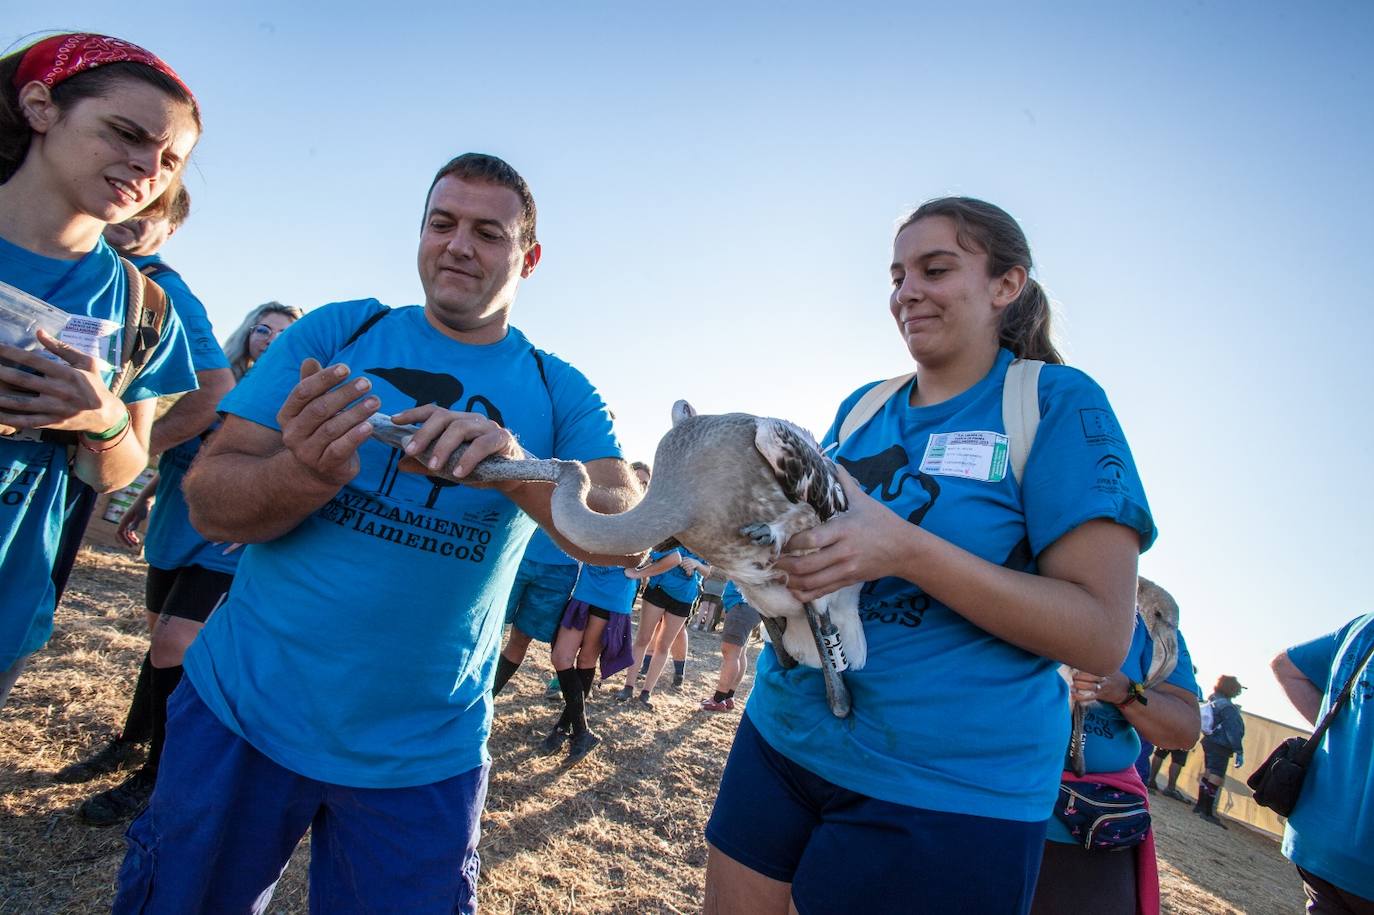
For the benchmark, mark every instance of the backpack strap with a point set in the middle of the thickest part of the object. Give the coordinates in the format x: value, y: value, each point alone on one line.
x: 145, y: 320
x: 869, y: 405
x: 1021, y: 411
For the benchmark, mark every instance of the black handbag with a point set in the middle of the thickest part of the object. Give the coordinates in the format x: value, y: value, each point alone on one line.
x: 1277, y: 783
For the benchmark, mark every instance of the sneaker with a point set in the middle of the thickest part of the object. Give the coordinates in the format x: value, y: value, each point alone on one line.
x: 581, y: 745
x: 711, y: 705
x: 624, y: 694
x: 729, y: 703
x: 1152, y: 787
x: 554, y: 741
x: 122, y: 802
x: 553, y: 690
x: 1213, y: 819
x: 677, y: 682
x: 1176, y: 795
x: 112, y: 757
x: 644, y: 699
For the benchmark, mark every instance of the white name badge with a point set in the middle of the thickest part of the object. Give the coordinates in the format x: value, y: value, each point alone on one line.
x: 971, y: 455
x: 94, y: 337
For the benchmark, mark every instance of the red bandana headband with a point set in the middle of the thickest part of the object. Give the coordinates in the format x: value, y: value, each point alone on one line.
x: 61, y: 57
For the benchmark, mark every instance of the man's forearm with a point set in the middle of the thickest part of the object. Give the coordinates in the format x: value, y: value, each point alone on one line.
x: 249, y: 499
x: 193, y: 413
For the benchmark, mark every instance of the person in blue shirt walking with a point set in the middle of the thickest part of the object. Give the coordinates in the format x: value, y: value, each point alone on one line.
x: 674, y: 581
x: 1223, y: 736
x: 345, y: 685
x: 1330, y: 836
x: 976, y: 586
x: 188, y: 577
x: 93, y: 130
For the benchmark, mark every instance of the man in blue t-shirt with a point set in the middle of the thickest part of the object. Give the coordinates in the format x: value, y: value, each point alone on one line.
x: 344, y: 686
x: 1330, y: 836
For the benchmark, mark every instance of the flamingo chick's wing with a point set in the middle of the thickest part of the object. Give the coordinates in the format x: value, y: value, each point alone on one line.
x: 804, y: 474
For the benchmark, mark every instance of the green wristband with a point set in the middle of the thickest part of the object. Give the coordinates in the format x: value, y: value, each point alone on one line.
x: 110, y: 432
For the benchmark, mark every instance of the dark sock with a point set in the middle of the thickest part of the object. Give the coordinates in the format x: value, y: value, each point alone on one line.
x: 679, y: 668
x: 505, y: 669
x: 644, y: 667
x: 730, y: 695
x: 587, y: 675
x: 138, y: 724
x: 1206, y: 797
x: 164, y: 681
x: 574, y: 702
x: 720, y: 697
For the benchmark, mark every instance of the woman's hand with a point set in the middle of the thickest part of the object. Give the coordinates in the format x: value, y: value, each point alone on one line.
x: 70, y: 396
x: 865, y: 543
x: 1088, y: 688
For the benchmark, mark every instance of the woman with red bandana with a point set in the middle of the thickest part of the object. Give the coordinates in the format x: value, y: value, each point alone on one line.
x: 92, y: 131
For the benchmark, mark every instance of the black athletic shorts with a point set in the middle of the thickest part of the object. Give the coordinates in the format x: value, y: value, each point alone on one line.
x: 1178, y: 756
x: 667, y: 603
x: 188, y: 593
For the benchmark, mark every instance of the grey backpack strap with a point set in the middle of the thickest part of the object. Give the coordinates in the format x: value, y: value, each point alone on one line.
x: 1021, y: 411
x: 870, y: 404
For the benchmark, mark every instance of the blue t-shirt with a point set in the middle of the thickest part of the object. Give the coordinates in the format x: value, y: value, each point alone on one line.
x: 543, y: 549
x: 206, y: 353
x: 33, y: 475
x: 606, y: 587
x: 677, y: 582
x: 172, y: 543
x: 1331, y: 832
x: 731, y: 596
x: 359, y: 648
x: 1110, y: 742
x: 946, y: 716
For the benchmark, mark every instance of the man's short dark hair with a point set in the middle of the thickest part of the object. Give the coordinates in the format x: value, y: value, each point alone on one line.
x: 492, y: 170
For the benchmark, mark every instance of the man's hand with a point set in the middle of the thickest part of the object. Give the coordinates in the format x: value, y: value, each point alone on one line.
x: 321, y: 425
x: 71, y: 394
x: 129, y: 522
x: 443, y: 431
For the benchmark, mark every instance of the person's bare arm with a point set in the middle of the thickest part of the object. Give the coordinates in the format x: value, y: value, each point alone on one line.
x: 1305, y: 695
x: 1169, y: 717
x: 193, y: 413
x: 253, y: 483
x: 614, y: 490
x: 71, y: 396
x: 657, y: 567
x: 1079, y: 609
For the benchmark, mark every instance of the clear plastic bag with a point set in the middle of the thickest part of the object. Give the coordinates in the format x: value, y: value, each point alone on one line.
x: 22, y: 316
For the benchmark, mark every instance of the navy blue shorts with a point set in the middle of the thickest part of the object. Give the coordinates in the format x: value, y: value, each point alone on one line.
x: 847, y: 852
x: 224, y: 819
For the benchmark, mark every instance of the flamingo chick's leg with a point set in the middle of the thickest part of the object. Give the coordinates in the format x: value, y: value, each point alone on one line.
x: 776, y: 626
x: 1076, y: 740
x: 832, y: 659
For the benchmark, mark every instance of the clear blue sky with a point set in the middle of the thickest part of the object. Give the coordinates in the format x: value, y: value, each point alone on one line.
x: 718, y: 183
